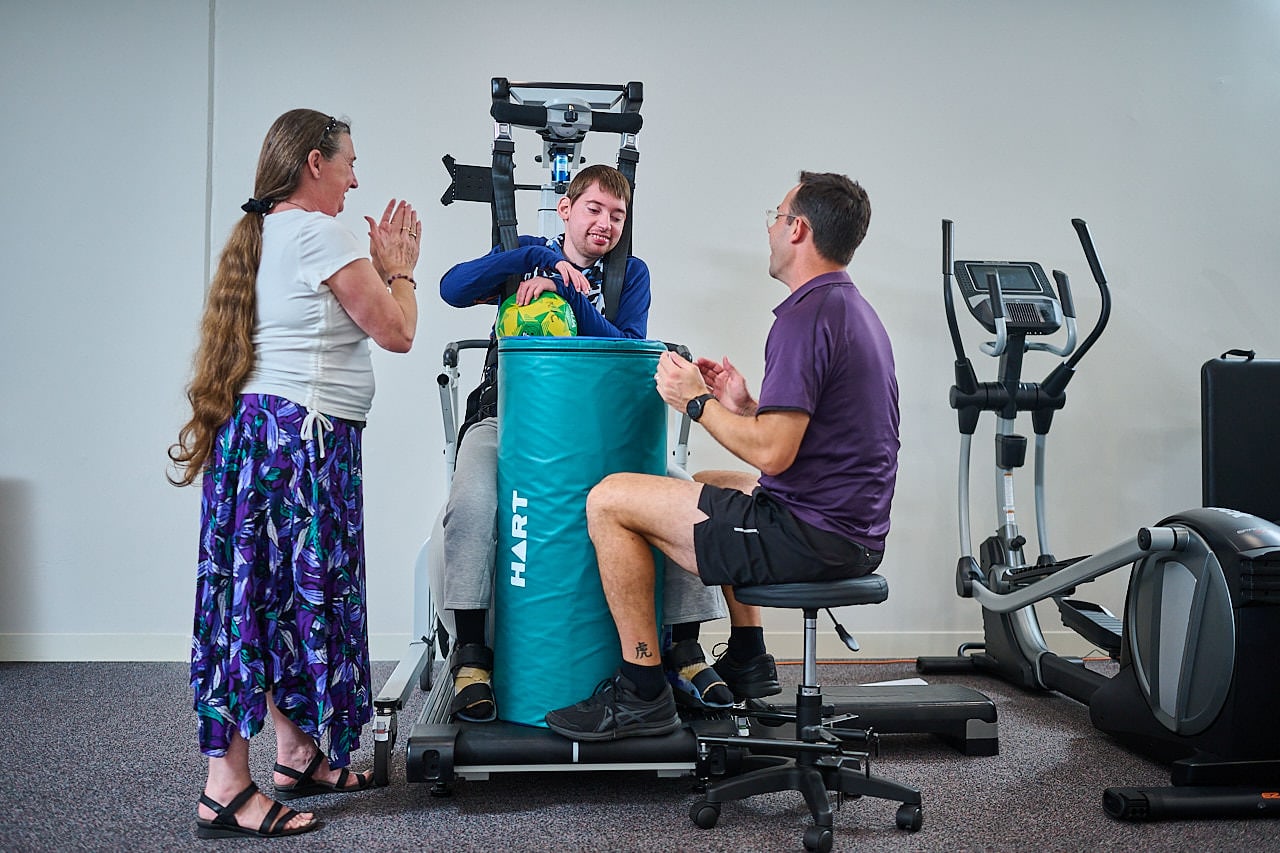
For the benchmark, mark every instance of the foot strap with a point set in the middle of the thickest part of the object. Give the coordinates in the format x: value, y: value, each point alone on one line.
x: 226, y: 815
x: 684, y: 654
x: 303, y: 776
x: 472, y: 654
x: 274, y: 818
x: 472, y: 669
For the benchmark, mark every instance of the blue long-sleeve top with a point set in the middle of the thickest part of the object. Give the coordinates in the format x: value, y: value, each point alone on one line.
x: 479, y: 282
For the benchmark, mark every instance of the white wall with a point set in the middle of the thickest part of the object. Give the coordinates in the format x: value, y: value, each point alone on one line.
x: 133, y: 132
x: 103, y: 231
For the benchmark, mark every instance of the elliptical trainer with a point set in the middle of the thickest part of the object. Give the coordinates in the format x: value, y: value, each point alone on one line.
x: 1202, y: 613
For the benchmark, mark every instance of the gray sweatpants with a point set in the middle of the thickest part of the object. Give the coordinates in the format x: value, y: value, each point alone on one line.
x: 471, y: 539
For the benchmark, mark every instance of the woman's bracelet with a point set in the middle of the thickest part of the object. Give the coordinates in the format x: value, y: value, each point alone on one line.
x: 407, y: 278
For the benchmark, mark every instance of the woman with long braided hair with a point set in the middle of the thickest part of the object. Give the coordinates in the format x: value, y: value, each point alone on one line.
x: 283, y: 382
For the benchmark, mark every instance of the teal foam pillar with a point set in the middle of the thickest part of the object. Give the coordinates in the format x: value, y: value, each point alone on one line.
x: 570, y: 412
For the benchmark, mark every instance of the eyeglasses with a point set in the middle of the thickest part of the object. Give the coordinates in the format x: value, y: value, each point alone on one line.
x: 773, y: 215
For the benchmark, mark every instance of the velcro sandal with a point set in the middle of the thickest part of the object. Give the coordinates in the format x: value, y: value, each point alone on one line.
x: 471, y: 666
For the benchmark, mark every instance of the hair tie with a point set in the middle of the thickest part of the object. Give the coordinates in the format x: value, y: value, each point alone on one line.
x: 259, y: 206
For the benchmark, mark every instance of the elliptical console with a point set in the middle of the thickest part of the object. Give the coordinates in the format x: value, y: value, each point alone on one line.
x: 1019, y: 291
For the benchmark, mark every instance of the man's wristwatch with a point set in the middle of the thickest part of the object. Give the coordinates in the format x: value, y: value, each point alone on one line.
x: 695, y: 406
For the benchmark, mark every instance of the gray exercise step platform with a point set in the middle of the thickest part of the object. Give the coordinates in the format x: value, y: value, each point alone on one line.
x: 960, y: 716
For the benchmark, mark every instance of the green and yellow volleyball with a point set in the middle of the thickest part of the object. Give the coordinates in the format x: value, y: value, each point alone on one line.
x: 547, y: 316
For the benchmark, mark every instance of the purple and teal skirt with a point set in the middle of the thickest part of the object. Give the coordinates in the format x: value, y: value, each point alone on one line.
x: 280, y: 586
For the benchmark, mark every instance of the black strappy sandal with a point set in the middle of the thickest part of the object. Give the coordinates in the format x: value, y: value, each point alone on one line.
x: 224, y: 823
x: 307, y: 786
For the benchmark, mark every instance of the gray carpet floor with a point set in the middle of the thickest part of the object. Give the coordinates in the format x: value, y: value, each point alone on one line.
x: 102, y: 756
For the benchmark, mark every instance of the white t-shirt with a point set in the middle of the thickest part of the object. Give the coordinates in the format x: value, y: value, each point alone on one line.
x: 308, y: 348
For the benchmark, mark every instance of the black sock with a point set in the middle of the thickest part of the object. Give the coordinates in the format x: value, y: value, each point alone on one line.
x: 746, y: 643
x: 684, y: 631
x: 649, y: 680
x: 471, y: 626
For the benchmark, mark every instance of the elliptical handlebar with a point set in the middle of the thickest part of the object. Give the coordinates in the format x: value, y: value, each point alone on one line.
x: 1086, y: 242
x: 1064, y: 293
x: 1104, y: 313
x: 1068, y: 317
x: 997, y: 347
x: 966, y: 379
x: 947, y: 298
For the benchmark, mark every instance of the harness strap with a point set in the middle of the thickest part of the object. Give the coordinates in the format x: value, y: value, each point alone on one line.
x: 504, y: 204
x: 616, y: 265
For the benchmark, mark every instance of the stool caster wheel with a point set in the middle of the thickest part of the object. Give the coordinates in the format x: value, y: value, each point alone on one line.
x: 704, y: 814
x: 910, y: 817
x: 818, y: 838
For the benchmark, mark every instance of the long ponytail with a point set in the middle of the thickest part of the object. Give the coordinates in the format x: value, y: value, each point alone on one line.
x: 224, y: 358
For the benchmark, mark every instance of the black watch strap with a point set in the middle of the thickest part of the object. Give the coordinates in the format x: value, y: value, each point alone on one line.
x: 695, y: 406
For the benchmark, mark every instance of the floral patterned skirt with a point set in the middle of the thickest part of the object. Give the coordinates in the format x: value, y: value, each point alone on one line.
x: 280, y: 586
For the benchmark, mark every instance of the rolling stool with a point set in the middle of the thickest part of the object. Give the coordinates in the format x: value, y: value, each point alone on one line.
x: 817, y: 761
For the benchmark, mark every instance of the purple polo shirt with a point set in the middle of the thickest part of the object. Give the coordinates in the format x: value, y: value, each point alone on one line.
x: 829, y: 356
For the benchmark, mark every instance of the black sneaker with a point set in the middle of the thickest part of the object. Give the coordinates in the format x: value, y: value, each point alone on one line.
x: 695, y: 684
x: 752, y: 679
x: 615, y: 711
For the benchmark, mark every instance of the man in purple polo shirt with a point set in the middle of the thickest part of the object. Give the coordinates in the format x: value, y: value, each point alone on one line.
x: 823, y: 435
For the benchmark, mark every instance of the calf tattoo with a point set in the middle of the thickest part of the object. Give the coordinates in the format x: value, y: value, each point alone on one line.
x: 642, y: 651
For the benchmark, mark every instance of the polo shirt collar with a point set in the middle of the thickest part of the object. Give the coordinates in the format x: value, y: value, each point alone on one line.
x: 827, y: 278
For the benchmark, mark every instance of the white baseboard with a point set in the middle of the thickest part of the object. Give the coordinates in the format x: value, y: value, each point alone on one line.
x: 95, y: 647
x: 784, y: 645
x: 140, y: 647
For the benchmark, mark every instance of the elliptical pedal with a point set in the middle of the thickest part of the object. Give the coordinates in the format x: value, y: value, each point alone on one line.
x: 1025, y: 575
x: 1092, y: 621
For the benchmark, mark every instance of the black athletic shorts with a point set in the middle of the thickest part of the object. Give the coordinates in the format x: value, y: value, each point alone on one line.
x: 752, y: 539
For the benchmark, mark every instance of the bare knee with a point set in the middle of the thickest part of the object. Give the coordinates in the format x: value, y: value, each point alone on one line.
x: 606, y: 497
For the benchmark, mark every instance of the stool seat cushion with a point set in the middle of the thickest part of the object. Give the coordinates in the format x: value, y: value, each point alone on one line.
x: 815, y: 595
